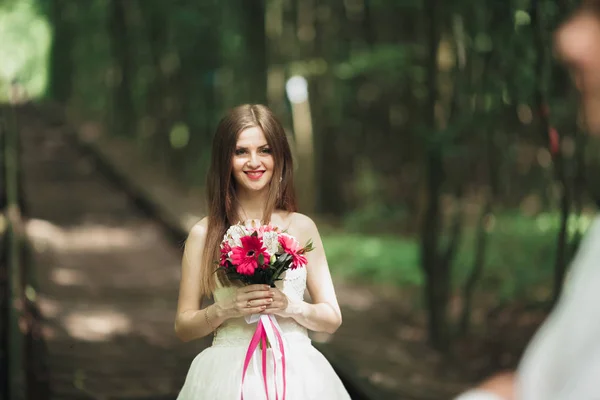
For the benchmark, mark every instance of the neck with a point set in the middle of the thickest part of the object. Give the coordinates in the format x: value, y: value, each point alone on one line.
x: 251, y: 205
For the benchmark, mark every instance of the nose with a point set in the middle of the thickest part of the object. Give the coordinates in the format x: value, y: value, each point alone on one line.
x: 253, y: 160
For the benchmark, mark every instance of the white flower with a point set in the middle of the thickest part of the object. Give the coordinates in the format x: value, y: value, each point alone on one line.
x: 234, y: 235
x: 271, y: 242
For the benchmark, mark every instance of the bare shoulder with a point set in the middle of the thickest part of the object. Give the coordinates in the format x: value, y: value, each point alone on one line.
x: 302, y: 226
x: 197, y: 234
x: 302, y: 221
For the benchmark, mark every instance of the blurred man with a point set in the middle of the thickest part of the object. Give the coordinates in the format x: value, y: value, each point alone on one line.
x: 563, y: 360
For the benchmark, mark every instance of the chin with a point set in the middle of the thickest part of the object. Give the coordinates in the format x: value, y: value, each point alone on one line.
x: 254, y: 187
x: 258, y: 188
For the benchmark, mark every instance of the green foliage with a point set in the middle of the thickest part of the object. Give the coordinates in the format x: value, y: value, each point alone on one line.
x: 379, y: 259
x: 25, y: 37
x: 372, y: 213
x: 384, y: 62
x: 179, y: 136
x: 370, y: 88
x: 519, y: 262
x: 376, y: 217
x: 520, y: 256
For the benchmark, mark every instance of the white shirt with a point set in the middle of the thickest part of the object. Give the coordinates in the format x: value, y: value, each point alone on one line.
x: 563, y: 359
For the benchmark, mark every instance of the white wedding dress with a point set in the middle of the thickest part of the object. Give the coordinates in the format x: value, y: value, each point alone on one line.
x: 216, y: 373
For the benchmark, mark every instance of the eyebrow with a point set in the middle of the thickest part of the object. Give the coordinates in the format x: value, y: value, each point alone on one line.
x: 243, y: 147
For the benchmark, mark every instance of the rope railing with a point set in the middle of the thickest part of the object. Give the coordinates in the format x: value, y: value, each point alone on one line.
x: 11, y: 263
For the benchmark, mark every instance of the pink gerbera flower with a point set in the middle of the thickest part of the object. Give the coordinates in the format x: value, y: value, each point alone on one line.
x: 225, y: 249
x: 265, y: 228
x: 246, y: 256
x: 291, y: 246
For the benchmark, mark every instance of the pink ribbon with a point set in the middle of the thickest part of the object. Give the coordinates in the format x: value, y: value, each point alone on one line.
x: 260, y: 337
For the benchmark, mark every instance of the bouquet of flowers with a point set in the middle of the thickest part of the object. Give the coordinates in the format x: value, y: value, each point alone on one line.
x: 260, y: 254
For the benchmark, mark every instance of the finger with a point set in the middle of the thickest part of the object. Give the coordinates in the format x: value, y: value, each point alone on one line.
x: 254, y: 310
x: 255, y: 288
x: 265, y: 294
x: 257, y: 295
x: 257, y: 303
x: 277, y: 292
x: 276, y: 306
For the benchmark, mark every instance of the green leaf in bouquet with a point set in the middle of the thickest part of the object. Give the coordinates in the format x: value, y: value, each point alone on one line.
x: 284, y: 257
x: 309, y: 247
x: 280, y: 269
x: 261, y: 259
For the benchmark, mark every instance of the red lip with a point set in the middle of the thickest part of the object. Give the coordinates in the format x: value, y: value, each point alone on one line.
x: 254, y: 175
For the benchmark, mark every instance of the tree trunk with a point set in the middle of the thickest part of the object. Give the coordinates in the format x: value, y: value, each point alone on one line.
x: 123, y: 113
x: 164, y: 100
x: 61, y: 57
x: 332, y: 159
x: 559, y: 167
x: 481, y: 241
x: 436, y: 282
x: 255, y: 44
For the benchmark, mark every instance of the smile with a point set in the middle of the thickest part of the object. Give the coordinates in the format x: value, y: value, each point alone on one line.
x: 254, y: 175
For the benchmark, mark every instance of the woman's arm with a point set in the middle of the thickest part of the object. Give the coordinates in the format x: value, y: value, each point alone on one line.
x: 499, y: 387
x: 324, y: 314
x: 191, y: 321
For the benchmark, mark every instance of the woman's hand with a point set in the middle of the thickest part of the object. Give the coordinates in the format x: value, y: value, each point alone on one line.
x: 501, y: 384
x: 280, y: 304
x: 248, y: 300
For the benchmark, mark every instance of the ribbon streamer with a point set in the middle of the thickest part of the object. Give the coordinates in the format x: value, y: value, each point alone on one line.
x: 267, y: 331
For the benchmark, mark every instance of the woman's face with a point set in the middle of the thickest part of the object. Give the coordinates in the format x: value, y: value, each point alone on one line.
x: 252, y: 161
x: 578, y: 44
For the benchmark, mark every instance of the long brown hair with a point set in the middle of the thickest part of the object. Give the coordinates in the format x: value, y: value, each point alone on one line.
x: 222, y: 200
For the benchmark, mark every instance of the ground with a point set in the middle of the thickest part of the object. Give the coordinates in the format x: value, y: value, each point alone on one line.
x: 108, y: 278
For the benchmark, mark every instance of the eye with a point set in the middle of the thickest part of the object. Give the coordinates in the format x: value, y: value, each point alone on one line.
x: 267, y: 150
x: 239, y: 152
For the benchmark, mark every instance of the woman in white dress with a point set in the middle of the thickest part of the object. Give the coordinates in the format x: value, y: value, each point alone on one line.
x: 251, y: 179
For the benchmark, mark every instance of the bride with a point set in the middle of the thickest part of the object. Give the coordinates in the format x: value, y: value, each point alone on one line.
x: 251, y: 179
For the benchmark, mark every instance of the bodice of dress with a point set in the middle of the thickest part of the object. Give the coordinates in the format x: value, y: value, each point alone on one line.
x: 236, y: 332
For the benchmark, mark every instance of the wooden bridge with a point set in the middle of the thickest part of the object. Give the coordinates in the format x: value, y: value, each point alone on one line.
x: 89, y: 274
